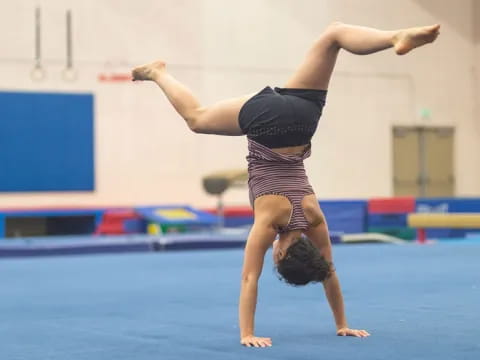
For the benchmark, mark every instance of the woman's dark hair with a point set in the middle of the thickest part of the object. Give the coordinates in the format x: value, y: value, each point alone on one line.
x: 303, y: 264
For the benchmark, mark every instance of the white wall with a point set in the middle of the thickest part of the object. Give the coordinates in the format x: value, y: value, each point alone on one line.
x: 219, y: 48
x: 476, y: 69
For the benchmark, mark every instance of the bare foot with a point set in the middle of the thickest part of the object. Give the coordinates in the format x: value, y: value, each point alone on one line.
x: 409, y: 39
x: 148, y: 71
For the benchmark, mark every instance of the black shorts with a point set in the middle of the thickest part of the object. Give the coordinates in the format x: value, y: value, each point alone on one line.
x: 282, y: 117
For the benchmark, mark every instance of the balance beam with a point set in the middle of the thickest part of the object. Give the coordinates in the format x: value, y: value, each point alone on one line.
x: 422, y: 221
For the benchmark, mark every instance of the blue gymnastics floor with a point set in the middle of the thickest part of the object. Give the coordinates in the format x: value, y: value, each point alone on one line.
x: 419, y: 302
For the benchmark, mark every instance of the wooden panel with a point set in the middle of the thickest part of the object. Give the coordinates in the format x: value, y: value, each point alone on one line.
x: 406, y: 164
x: 440, y: 180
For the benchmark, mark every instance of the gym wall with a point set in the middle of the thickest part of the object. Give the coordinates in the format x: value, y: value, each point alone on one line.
x: 144, y: 153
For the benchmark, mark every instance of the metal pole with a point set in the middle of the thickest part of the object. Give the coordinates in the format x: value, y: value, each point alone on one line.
x: 220, y: 212
x: 69, y: 73
x: 69, y: 39
x: 38, y: 73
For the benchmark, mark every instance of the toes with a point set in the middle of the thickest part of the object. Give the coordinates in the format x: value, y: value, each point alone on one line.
x: 135, y: 75
x: 139, y: 74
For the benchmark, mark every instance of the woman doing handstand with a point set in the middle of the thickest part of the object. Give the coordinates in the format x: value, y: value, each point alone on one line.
x: 279, y: 124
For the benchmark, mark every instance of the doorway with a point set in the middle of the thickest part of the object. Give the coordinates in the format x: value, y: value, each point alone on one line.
x: 423, y: 161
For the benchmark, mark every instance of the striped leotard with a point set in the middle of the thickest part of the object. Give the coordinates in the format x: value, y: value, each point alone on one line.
x: 271, y: 173
x: 277, y: 118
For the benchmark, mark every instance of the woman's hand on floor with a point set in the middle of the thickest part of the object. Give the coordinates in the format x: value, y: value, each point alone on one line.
x: 255, y: 341
x: 352, y: 332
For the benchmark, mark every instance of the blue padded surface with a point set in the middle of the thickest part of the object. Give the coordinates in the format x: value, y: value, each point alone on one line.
x: 387, y: 220
x: 205, y: 240
x: 442, y: 205
x: 97, y: 212
x: 184, y: 305
x: 345, y: 216
x: 73, y: 245
x: 77, y: 245
x: 46, y: 142
x: 236, y: 221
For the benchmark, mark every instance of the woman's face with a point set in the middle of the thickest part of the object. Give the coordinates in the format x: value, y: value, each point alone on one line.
x: 277, y: 253
x: 281, y: 245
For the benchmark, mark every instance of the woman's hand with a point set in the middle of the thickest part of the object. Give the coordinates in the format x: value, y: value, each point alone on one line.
x: 352, y: 332
x: 255, y: 341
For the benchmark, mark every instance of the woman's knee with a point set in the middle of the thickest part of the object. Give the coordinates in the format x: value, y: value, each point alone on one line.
x: 330, y: 34
x: 195, y: 120
x: 334, y: 27
x: 335, y: 24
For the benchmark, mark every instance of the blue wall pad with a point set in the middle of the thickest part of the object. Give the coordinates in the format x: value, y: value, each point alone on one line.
x: 345, y: 216
x: 237, y: 221
x: 449, y: 233
x: 462, y: 205
x: 384, y: 220
x: 447, y: 205
x: 46, y: 142
x: 444, y: 205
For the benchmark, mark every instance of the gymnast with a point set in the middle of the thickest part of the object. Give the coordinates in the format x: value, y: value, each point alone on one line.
x: 279, y: 124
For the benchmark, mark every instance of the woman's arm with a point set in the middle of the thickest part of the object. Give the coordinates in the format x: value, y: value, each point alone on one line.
x: 319, y: 236
x: 335, y: 299
x: 259, y: 240
x: 321, y: 239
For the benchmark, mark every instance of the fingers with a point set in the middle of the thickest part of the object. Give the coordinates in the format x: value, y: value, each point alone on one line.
x: 264, y: 342
x: 352, y: 332
x: 360, y: 333
x: 365, y: 333
x: 257, y: 342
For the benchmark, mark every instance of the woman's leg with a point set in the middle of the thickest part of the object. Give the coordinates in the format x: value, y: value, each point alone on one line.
x: 317, y: 68
x: 220, y: 118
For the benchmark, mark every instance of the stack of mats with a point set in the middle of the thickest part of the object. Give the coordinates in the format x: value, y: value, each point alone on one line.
x: 120, y: 221
x: 235, y: 216
x: 73, y: 245
x: 389, y: 216
x: 82, y: 245
x: 176, y: 219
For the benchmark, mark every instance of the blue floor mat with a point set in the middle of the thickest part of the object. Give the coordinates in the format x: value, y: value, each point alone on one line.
x: 419, y: 302
x: 85, y: 245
